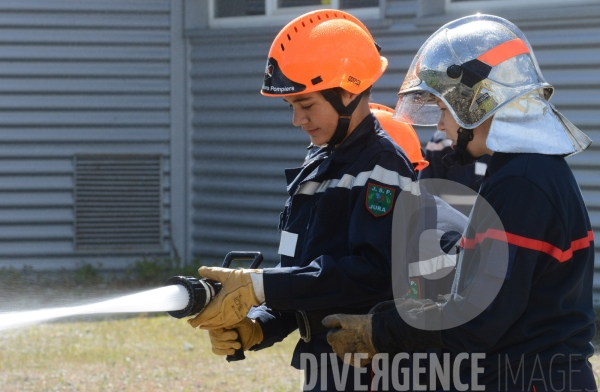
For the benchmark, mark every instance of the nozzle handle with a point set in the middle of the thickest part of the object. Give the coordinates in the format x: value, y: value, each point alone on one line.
x: 239, y: 354
x: 256, y: 258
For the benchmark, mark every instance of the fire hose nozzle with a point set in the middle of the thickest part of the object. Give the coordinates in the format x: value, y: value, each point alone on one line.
x: 201, y: 292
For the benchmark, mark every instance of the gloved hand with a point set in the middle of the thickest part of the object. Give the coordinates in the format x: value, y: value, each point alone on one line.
x: 233, y: 302
x: 224, y: 341
x: 351, y: 333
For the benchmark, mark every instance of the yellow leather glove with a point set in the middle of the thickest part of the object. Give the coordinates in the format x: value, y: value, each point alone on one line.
x: 224, y: 341
x: 233, y: 302
x: 350, y: 334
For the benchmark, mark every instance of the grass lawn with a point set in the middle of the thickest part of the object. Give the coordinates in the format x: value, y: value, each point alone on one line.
x: 138, y: 354
x: 135, y: 354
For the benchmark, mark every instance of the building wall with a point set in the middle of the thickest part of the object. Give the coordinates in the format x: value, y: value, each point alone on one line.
x: 96, y: 160
x: 243, y: 141
x: 85, y: 129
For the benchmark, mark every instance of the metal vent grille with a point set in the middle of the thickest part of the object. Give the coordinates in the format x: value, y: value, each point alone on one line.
x: 117, y: 202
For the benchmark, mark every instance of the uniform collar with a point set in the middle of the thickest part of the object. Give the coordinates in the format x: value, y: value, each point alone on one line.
x: 347, y: 152
x: 355, y: 143
x: 498, y: 161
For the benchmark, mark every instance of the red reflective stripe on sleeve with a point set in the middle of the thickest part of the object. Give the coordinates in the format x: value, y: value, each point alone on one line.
x: 466, y: 243
x: 529, y: 243
x: 504, y: 51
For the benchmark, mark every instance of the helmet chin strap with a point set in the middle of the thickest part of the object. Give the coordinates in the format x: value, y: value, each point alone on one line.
x: 345, y: 113
x: 460, y: 154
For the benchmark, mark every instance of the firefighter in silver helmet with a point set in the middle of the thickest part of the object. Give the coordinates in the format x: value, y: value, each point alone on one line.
x: 477, y: 79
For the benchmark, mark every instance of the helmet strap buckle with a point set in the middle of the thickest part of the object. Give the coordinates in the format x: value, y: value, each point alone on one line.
x: 344, y: 112
x: 460, y: 154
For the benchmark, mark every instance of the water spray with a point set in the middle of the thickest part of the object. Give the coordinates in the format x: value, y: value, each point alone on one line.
x: 202, y: 291
x: 181, y: 296
x: 169, y: 298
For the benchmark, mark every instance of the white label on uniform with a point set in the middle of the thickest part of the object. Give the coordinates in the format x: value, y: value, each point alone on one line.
x: 287, y: 244
x: 480, y: 168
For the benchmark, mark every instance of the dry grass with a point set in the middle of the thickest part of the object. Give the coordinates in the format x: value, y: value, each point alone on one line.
x: 138, y: 354
x: 135, y: 354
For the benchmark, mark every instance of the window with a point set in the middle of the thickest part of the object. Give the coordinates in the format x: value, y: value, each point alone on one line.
x: 487, y: 5
x: 225, y: 8
x: 236, y: 13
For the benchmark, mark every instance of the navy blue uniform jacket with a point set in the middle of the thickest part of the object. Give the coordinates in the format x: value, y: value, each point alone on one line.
x: 542, y: 318
x: 343, y: 249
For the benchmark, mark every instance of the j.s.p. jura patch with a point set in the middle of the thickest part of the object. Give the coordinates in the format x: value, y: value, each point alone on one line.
x: 379, y: 199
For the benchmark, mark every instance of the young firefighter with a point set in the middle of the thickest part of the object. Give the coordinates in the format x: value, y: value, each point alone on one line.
x: 478, y: 79
x: 336, y: 225
x: 402, y: 134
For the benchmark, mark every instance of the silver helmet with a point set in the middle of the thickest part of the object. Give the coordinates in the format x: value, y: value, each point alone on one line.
x: 478, y: 65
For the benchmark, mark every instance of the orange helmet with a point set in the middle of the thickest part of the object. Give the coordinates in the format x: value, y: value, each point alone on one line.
x: 403, y: 134
x: 321, y: 50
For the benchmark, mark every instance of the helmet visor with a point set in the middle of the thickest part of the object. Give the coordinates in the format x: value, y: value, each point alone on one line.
x: 417, y: 108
